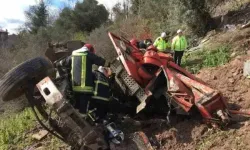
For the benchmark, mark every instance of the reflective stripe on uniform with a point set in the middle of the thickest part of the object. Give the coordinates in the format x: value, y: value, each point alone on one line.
x: 104, y: 83
x: 100, y: 98
x: 96, y: 86
x: 88, y: 89
x: 95, y: 93
x: 83, y: 72
x: 81, y: 85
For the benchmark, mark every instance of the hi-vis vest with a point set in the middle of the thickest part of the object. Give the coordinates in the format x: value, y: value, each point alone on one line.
x: 81, y: 72
x: 179, y: 43
x: 161, y: 44
x: 101, y: 89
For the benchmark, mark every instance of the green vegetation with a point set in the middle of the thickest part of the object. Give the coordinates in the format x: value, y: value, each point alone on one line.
x: 213, y: 137
x: 16, y: 132
x: 85, y: 17
x: 12, y: 129
x: 37, y: 17
x: 206, y: 58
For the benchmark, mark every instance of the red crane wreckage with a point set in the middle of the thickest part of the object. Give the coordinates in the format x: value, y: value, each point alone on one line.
x: 144, y: 74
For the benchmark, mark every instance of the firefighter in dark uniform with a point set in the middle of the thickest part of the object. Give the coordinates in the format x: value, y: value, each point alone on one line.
x: 145, y: 43
x: 80, y: 64
x: 102, y: 92
x: 102, y: 98
x: 141, y: 44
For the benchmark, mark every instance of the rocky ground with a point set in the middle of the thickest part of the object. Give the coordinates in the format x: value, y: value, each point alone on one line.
x: 192, y: 134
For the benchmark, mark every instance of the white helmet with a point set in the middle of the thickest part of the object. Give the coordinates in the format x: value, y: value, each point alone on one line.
x: 179, y: 31
x: 163, y: 34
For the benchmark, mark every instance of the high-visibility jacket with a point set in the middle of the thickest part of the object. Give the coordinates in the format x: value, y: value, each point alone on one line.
x: 161, y: 44
x: 81, y: 62
x: 101, y: 88
x: 179, y: 43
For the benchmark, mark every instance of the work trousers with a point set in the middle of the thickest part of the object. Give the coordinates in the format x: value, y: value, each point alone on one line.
x: 101, y: 108
x: 82, y: 101
x: 178, y: 56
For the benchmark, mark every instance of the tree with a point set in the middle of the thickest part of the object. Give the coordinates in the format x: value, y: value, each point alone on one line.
x: 37, y: 17
x: 85, y: 17
x: 88, y: 15
x: 170, y: 15
x: 65, y: 20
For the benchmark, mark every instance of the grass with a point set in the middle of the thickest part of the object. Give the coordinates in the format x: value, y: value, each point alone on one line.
x: 12, y: 129
x: 16, y: 133
x: 212, y: 139
x: 206, y: 58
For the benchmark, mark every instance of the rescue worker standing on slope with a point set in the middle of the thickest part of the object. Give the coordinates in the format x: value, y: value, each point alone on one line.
x: 179, y: 45
x: 161, y: 43
x: 80, y: 63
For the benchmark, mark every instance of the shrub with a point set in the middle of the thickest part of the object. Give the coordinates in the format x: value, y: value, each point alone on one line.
x: 102, y: 43
x: 206, y: 58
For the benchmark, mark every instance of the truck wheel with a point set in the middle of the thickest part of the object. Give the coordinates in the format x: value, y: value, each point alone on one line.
x: 14, y: 83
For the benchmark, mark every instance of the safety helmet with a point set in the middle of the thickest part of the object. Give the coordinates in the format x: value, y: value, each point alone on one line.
x: 163, y: 34
x: 90, y: 47
x: 133, y: 42
x: 179, y: 31
x: 152, y: 48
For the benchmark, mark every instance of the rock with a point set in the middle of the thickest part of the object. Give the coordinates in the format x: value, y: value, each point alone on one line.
x: 238, y: 57
x: 233, y: 54
x: 248, y: 52
x: 231, y: 80
x: 245, y: 25
x: 246, y: 69
x: 236, y: 73
x: 40, y: 148
x: 246, y: 124
x: 181, y: 136
x: 239, y: 99
x: 40, y: 135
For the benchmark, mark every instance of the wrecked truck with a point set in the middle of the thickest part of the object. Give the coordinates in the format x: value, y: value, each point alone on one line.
x: 143, y: 80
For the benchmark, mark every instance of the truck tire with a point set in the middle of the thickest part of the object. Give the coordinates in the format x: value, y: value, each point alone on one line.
x: 14, y: 83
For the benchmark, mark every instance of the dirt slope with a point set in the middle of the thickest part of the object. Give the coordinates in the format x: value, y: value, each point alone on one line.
x: 192, y: 134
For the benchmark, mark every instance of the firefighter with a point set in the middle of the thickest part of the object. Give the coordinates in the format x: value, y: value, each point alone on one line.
x: 80, y: 64
x: 134, y: 42
x: 161, y: 43
x: 145, y: 43
x: 101, y: 92
x: 179, y: 44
